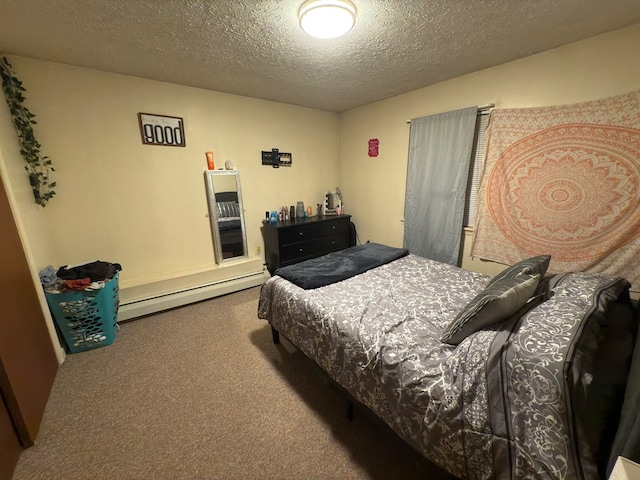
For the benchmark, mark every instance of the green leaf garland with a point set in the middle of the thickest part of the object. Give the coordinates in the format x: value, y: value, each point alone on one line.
x: 38, y: 166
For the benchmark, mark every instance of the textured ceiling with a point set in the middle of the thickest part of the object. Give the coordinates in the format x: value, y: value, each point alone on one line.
x: 256, y: 48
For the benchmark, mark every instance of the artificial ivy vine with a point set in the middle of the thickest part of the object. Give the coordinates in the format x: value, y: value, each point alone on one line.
x: 38, y: 166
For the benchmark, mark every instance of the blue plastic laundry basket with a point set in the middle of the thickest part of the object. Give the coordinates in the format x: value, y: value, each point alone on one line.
x: 86, y: 319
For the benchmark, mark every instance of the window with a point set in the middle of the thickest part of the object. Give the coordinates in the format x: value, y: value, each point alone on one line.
x: 475, y: 170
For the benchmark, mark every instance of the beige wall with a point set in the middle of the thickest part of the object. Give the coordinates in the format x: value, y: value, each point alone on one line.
x: 29, y: 216
x: 145, y: 206
x: 33, y: 226
x: 373, y: 188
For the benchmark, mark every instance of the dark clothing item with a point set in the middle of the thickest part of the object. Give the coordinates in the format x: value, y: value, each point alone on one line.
x: 96, y: 271
x: 336, y: 266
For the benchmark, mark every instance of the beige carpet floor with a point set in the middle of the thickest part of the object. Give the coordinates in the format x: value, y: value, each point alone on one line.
x: 201, y: 392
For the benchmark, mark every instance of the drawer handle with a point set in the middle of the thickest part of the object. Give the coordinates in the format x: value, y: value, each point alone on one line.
x: 300, y: 250
x: 300, y: 233
x: 334, y: 227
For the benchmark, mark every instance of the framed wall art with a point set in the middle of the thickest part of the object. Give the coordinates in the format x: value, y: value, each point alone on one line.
x: 161, y: 130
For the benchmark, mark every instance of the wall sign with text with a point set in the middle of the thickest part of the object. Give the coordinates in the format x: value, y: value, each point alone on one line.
x: 374, y: 143
x: 161, y: 130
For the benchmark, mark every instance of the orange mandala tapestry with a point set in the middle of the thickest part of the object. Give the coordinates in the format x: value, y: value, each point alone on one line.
x: 564, y: 181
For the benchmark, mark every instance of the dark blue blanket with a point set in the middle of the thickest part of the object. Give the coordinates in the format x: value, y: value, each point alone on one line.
x: 340, y: 265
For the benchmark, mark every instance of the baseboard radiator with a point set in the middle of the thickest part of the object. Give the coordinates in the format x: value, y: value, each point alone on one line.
x: 146, y: 306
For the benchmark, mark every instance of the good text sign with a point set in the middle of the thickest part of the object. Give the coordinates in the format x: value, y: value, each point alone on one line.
x: 161, y: 130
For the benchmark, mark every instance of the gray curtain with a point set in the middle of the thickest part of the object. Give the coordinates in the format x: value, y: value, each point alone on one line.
x: 437, y: 174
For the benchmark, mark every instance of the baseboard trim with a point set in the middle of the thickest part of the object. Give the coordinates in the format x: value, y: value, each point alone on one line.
x: 158, y: 303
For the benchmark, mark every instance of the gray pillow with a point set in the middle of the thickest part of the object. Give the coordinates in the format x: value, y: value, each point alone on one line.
x: 500, y: 299
x: 529, y: 266
x: 228, y: 209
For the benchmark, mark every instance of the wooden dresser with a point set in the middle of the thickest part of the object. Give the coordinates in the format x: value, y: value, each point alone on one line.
x: 300, y: 239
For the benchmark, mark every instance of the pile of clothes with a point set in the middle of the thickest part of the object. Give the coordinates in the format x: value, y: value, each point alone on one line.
x: 88, y: 276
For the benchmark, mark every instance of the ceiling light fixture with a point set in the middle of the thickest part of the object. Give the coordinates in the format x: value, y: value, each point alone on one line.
x: 327, y: 18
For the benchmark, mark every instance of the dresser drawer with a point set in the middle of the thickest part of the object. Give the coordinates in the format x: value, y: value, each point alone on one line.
x: 313, y: 248
x: 293, y: 241
x: 301, y: 233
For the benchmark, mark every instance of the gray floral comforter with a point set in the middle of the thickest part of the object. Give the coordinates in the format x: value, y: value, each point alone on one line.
x: 495, y: 406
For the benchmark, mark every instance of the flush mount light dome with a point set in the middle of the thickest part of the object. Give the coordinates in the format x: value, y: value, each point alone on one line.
x: 327, y: 18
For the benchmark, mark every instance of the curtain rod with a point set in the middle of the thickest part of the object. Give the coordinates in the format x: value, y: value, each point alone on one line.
x: 481, y: 108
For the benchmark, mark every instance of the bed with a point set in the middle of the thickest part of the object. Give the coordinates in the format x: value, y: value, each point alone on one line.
x: 521, y: 375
